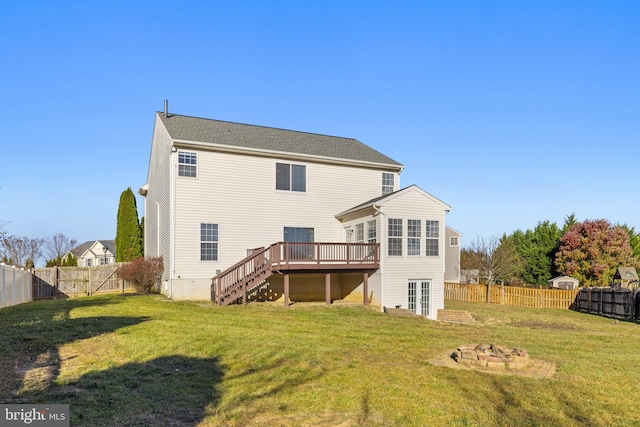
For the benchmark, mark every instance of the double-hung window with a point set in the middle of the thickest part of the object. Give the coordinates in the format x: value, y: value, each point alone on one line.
x: 208, y: 242
x: 432, y: 234
x: 395, y: 236
x: 187, y: 163
x: 360, y: 233
x: 387, y: 183
x: 413, y: 236
x: 371, y: 231
x: 290, y: 177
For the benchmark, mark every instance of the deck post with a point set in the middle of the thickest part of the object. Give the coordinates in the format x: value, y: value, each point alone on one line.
x: 327, y: 286
x: 286, y: 290
x: 365, y: 288
x: 244, y: 293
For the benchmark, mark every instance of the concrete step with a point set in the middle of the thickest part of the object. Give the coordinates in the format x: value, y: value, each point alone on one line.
x: 456, y: 316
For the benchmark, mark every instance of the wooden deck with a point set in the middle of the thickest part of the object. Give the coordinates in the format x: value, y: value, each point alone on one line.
x: 294, y: 258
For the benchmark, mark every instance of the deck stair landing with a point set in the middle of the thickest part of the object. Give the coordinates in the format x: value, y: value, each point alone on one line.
x: 456, y: 316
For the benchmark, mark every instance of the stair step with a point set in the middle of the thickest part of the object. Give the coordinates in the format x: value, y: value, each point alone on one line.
x: 455, y: 316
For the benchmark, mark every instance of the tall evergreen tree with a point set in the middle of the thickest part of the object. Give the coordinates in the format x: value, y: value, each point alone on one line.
x: 128, y: 232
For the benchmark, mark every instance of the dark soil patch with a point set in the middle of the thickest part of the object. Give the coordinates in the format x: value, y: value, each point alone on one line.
x: 543, y: 325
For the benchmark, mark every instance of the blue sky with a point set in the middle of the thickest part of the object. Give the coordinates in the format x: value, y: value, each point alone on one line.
x: 511, y: 112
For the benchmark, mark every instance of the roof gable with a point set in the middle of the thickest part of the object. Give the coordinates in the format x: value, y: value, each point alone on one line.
x: 626, y: 273
x: 267, y: 139
x: 80, y: 250
x: 381, y: 200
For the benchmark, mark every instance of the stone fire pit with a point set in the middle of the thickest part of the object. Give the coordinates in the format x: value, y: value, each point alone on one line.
x: 491, y: 356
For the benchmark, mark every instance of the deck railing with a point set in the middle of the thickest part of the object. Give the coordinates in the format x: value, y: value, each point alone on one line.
x: 290, y: 256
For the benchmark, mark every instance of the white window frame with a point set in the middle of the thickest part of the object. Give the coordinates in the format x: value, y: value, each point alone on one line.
x: 457, y: 241
x: 394, y: 235
x: 188, y: 164
x: 372, y: 231
x: 388, y: 183
x: 291, y: 183
x: 414, y: 232
x: 209, y: 242
x: 432, y: 241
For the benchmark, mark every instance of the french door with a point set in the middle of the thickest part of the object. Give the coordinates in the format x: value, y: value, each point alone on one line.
x: 419, y: 296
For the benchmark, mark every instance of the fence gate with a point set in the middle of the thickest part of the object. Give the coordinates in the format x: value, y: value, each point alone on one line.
x: 63, y: 282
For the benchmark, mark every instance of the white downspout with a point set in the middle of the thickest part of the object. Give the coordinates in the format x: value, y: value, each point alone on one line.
x: 382, y: 256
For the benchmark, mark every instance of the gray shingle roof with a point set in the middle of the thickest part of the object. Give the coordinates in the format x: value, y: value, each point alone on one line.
x: 270, y: 139
x: 80, y: 249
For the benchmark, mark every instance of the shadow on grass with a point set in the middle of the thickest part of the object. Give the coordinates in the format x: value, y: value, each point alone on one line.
x: 168, y: 391
x: 33, y: 333
x: 513, y: 406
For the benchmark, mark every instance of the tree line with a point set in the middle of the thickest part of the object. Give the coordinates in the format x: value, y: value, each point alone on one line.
x: 589, y: 251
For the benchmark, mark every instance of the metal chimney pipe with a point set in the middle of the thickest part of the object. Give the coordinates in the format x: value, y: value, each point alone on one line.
x: 166, y: 108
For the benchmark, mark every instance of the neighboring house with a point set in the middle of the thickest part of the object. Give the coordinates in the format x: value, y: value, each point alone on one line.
x: 472, y: 277
x: 279, y: 214
x: 452, y: 255
x: 95, y: 252
x: 626, y: 277
x: 564, y: 282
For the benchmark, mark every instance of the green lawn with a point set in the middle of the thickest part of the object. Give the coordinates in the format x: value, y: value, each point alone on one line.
x: 137, y: 361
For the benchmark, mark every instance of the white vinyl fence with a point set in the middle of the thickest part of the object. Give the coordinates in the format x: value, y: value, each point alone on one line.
x: 15, y: 285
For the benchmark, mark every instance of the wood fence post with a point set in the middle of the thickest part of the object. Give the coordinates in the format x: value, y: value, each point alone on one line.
x: 55, y: 282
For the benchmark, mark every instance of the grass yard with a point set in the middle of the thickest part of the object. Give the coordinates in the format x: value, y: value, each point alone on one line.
x: 143, y: 361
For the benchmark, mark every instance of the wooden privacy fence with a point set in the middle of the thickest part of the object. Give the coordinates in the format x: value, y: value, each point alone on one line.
x: 561, y: 299
x: 63, y: 282
x: 15, y: 285
x: 610, y: 302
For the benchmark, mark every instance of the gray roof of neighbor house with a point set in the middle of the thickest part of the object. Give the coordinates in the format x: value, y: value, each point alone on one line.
x: 269, y: 139
x: 626, y: 273
x: 80, y: 249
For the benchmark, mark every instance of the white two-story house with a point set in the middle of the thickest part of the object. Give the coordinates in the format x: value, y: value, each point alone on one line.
x: 241, y: 212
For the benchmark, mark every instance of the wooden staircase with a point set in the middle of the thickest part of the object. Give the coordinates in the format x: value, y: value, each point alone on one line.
x: 237, y: 281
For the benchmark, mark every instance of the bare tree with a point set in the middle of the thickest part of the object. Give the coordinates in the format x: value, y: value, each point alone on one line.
x: 496, y: 259
x: 20, y: 251
x: 58, y: 245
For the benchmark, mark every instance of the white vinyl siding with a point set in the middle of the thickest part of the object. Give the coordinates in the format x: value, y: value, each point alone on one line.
x: 398, y: 270
x: 331, y: 189
x: 157, y: 224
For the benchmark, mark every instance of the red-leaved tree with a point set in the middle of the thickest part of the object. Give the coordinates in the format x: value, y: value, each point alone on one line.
x: 592, y: 250
x: 144, y: 273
